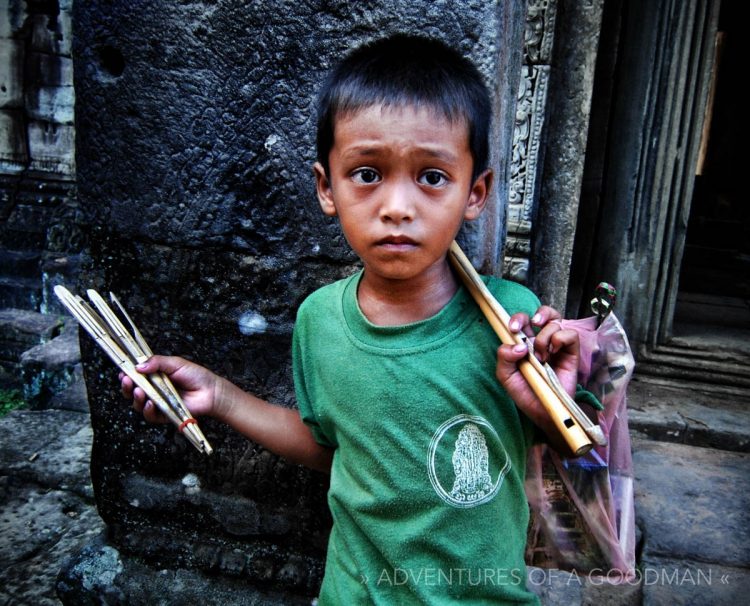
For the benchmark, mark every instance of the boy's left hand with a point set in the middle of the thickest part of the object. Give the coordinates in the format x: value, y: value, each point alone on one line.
x: 553, y: 344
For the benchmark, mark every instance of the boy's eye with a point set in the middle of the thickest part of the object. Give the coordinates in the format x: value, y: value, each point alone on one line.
x: 365, y: 175
x: 433, y: 178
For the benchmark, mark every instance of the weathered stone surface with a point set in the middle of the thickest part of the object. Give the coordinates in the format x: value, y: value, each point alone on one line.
x: 688, y: 417
x: 562, y: 588
x: 11, y: 73
x: 46, y: 501
x: 21, y: 330
x: 52, y: 32
x: 13, y: 152
x: 51, y: 145
x: 74, y: 396
x: 100, y: 574
x: 693, y: 503
x: 49, y: 368
x: 669, y: 582
x: 554, y: 587
x: 40, y: 528
x: 30, y: 449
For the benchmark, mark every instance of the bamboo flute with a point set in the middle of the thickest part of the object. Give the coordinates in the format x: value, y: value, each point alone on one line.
x: 125, y: 351
x: 572, y: 423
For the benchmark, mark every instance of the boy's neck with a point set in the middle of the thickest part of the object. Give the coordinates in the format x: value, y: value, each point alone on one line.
x: 387, y: 302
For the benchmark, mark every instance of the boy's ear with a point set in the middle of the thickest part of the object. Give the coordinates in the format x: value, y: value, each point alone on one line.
x: 478, y: 195
x: 323, y: 187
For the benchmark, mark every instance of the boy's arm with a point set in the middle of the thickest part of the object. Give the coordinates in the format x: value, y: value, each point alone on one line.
x: 280, y: 430
x: 552, y: 344
x: 276, y: 428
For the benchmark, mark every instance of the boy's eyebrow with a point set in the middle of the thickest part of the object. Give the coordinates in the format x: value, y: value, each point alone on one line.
x: 365, y: 151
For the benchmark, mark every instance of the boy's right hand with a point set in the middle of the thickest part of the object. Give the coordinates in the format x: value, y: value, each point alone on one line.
x: 197, y: 386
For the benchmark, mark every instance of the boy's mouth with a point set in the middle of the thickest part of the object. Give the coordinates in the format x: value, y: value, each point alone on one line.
x: 396, y: 242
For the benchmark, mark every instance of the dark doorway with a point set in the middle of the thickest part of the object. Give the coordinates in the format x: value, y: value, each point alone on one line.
x: 714, y: 290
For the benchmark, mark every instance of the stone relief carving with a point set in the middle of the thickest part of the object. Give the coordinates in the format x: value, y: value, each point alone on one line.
x: 530, y: 115
x: 539, y: 33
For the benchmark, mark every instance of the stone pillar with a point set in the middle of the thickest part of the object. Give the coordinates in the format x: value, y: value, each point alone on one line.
x: 569, y: 106
x: 195, y: 143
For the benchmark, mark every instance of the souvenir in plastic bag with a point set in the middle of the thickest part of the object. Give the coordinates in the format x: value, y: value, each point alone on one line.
x: 582, y: 514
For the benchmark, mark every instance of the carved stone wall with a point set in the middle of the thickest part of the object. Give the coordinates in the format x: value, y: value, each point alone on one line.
x: 40, y: 235
x: 527, y: 159
x: 194, y: 153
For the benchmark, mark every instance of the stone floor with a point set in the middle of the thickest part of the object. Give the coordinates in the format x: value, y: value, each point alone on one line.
x: 692, y: 462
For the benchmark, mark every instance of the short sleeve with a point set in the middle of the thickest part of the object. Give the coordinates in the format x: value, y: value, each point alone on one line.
x: 302, y: 358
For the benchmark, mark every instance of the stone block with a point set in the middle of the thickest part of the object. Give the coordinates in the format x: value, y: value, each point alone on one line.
x: 554, y: 587
x: 11, y: 73
x: 20, y: 293
x: 52, y: 147
x: 19, y: 263
x: 101, y: 574
x: 693, y: 503
x: 54, y: 103
x: 74, y: 396
x: 46, y: 70
x: 50, y: 448
x: 14, y: 154
x: 48, y: 369
x: 13, y: 16
x: 52, y: 35
x: 25, y: 228
x: 22, y: 329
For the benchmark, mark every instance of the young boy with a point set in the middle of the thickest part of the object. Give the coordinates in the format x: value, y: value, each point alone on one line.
x: 402, y: 393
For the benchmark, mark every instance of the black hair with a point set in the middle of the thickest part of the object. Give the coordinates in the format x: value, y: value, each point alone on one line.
x: 404, y: 70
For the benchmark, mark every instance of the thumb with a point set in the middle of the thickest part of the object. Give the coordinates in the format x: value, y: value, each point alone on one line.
x: 165, y: 364
x: 507, y: 360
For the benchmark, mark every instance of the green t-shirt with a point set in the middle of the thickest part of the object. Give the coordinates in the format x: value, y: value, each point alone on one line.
x: 426, y: 489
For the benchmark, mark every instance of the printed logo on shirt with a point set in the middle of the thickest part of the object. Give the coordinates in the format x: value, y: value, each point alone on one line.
x: 467, y: 461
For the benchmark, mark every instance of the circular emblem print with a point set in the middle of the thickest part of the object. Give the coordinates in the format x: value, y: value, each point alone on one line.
x: 467, y: 461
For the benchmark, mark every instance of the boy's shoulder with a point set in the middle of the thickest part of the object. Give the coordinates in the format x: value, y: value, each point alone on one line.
x: 325, y: 299
x: 514, y: 297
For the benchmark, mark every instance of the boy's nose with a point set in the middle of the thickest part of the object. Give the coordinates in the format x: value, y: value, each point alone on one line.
x: 397, y: 204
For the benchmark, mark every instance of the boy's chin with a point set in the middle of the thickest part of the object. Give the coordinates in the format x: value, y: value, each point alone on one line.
x: 402, y: 272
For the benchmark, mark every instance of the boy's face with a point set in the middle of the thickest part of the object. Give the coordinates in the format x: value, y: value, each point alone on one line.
x: 401, y: 184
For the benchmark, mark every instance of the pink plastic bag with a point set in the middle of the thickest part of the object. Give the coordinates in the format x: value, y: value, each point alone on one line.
x: 582, y: 514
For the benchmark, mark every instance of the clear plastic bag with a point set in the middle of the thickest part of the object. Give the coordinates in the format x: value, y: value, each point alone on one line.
x: 582, y: 512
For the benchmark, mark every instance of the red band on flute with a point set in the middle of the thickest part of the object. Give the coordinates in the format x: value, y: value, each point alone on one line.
x: 185, y: 423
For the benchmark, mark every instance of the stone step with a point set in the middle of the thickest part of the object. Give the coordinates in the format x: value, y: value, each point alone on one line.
x: 711, y: 358
x: 19, y: 263
x: 725, y: 362
x: 21, y: 329
x: 20, y: 293
x: 688, y: 416
x: 693, y: 510
x: 50, y: 368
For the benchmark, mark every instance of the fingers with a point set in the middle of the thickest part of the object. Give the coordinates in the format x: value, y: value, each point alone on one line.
x: 547, y: 320
x: 520, y: 323
x: 507, y: 361
x: 152, y: 414
x: 141, y: 403
x: 165, y: 364
x: 545, y: 314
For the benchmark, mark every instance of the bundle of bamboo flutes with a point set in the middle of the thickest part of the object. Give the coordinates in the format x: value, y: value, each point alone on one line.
x: 579, y: 432
x: 126, y: 351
